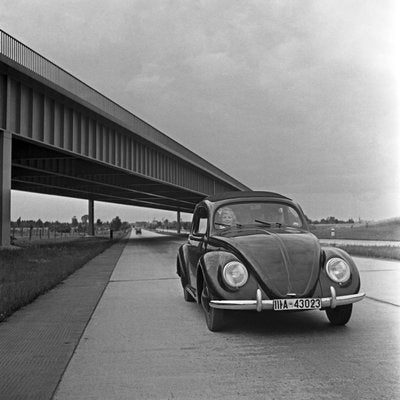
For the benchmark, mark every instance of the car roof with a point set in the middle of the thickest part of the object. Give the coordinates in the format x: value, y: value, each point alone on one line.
x: 244, y: 194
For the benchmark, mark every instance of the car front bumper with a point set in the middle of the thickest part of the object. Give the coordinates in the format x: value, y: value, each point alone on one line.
x: 259, y: 304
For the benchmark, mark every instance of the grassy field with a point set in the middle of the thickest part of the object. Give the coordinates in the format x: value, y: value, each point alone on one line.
x: 383, y: 231
x: 35, y: 268
x: 385, y: 252
x: 378, y: 231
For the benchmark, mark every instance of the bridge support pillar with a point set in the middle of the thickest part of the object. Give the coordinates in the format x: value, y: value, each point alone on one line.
x: 91, y: 217
x: 178, y: 219
x: 5, y: 187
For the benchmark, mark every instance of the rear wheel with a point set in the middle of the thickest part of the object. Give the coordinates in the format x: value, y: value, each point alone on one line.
x: 215, y: 318
x: 339, y: 315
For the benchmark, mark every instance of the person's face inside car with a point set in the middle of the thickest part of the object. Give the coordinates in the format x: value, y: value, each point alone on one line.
x: 227, y: 217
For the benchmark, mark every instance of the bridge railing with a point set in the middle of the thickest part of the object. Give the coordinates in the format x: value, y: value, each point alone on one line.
x: 34, y: 62
x: 30, y: 59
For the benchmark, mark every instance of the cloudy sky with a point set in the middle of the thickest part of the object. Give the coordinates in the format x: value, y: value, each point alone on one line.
x: 299, y: 97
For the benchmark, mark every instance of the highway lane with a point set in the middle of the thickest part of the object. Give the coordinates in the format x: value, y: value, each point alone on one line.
x: 145, y: 342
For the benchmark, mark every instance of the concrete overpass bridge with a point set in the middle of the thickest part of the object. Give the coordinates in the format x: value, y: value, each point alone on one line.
x: 59, y: 136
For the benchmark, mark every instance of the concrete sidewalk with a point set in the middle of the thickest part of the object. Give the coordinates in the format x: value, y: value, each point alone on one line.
x: 37, y: 342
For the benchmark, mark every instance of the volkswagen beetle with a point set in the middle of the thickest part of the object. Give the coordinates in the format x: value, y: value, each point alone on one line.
x: 254, y: 251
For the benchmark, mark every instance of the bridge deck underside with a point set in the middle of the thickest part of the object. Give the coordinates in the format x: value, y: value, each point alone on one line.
x: 48, y: 171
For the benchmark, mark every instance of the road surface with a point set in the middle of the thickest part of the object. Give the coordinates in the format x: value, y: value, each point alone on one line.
x: 145, y: 342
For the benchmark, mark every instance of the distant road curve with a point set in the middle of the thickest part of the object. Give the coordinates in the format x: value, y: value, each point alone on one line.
x: 351, y: 242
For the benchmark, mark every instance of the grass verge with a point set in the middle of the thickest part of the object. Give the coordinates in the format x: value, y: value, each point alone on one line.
x: 385, y: 252
x: 354, y: 232
x: 32, y: 270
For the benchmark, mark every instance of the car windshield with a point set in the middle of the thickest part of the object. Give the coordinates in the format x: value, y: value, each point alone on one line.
x: 267, y: 214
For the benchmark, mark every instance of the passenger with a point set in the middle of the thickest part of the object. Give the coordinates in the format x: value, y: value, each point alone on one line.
x: 274, y: 215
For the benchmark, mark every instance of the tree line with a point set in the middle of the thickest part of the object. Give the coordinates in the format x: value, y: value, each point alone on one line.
x: 163, y: 224
x: 66, y: 227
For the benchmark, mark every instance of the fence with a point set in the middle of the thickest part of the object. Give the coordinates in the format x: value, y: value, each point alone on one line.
x: 35, y: 234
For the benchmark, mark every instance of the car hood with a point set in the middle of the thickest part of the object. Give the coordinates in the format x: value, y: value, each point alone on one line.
x: 284, y: 262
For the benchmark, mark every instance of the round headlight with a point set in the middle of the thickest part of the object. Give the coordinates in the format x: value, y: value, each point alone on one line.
x: 235, y: 274
x: 338, y: 270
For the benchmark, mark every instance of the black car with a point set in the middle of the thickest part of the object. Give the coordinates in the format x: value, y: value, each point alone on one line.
x: 254, y: 251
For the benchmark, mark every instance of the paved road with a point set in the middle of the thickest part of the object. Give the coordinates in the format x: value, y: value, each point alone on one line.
x: 144, y: 342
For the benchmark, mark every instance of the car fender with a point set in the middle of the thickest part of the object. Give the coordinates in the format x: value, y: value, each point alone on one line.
x: 209, y: 269
x: 350, y: 287
x: 181, y: 262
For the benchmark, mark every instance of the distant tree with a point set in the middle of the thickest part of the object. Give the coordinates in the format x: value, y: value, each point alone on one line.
x: 39, y: 223
x: 172, y: 224
x: 186, y: 225
x: 308, y: 220
x: 19, y: 222
x: 125, y: 225
x: 99, y: 222
x: 116, y: 224
x: 330, y: 220
x: 85, y: 219
x: 63, y: 227
x: 74, y: 222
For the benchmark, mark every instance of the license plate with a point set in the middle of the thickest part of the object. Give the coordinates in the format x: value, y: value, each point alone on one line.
x: 296, y: 304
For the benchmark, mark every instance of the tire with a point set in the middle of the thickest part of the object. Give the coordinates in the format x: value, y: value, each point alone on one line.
x: 215, y: 318
x: 339, y: 315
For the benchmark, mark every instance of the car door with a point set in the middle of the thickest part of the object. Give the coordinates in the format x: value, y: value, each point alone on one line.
x: 196, y: 243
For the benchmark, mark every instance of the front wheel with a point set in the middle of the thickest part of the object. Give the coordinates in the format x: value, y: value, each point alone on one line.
x: 215, y: 318
x: 339, y: 315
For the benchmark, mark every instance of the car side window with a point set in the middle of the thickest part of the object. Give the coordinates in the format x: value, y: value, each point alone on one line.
x: 200, y: 222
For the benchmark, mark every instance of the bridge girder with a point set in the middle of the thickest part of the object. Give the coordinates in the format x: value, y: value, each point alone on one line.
x: 60, y: 175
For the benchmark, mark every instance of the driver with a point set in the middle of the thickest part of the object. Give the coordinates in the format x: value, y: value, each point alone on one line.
x: 226, y: 218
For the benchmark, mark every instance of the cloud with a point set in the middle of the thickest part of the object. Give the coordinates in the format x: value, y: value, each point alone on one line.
x: 147, y: 81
